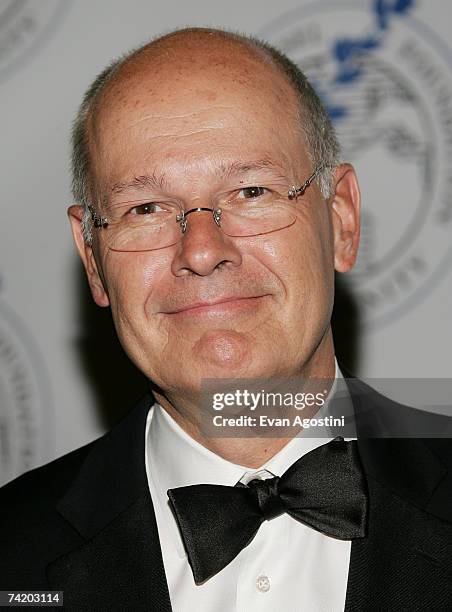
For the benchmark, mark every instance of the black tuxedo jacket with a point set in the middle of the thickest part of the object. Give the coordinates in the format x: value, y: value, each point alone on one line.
x: 85, y: 524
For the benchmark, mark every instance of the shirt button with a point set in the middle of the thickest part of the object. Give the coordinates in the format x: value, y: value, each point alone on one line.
x: 263, y: 583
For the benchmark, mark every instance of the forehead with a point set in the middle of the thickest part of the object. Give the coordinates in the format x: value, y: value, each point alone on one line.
x: 193, y: 107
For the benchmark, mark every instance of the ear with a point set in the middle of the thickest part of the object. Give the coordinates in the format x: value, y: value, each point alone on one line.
x: 345, y: 206
x: 100, y: 296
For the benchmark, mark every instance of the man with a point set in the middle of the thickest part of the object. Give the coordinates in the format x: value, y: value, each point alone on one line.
x: 212, y: 212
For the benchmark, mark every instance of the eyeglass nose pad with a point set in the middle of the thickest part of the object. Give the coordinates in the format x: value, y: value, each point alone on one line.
x: 217, y: 216
x: 182, y: 221
x: 182, y: 218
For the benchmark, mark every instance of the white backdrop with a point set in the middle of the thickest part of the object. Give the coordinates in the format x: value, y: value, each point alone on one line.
x: 386, y: 76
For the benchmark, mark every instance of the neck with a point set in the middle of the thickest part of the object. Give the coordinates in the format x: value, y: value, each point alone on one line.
x: 252, y: 452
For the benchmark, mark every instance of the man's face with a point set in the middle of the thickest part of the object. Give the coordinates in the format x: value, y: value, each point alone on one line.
x: 212, y: 305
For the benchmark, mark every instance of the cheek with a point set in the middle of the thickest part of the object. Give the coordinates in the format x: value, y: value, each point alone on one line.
x: 132, y: 280
x: 297, y: 255
x: 302, y: 258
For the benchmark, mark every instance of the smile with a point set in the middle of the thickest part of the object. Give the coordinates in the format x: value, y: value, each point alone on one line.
x: 231, y: 305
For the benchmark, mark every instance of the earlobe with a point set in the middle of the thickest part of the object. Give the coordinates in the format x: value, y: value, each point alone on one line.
x: 345, y: 217
x: 98, y: 291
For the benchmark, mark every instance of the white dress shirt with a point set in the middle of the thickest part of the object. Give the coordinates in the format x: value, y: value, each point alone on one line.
x: 288, y: 566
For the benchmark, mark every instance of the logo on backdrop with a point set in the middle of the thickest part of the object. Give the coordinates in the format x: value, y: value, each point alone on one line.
x: 25, y: 409
x: 24, y: 26
x: 386, y: 79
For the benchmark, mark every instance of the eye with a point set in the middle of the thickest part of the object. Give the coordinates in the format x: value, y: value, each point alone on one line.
x: 146, y: 209
x: 252, y: 192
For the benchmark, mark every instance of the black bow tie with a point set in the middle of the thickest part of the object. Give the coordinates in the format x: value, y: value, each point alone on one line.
x: 324, y: 489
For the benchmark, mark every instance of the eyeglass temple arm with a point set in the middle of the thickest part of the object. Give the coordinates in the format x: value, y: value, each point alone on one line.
x: 97, y: 221
x: 294, y: 192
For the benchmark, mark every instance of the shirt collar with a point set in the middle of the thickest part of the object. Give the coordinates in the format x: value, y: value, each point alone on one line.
x: 179, y: 460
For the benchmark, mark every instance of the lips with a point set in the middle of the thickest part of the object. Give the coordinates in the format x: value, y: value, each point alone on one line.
x: 229, y: 302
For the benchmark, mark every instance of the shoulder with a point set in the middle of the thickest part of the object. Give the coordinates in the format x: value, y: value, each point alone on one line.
x: 50, y: 511
x: 32, y: 531
x: 380, y: 417
x: 406, y: 449
x: 33, y: 497
x: 30, y: 497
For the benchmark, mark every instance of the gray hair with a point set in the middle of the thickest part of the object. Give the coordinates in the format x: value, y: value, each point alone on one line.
x: 316, y: 125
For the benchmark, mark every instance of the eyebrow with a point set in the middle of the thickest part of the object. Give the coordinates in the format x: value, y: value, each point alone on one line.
x: 224, y: 170
x: 235, y: 168
x: 140, y: 182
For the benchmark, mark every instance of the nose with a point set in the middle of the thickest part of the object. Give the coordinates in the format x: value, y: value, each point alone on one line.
x: 204, y: 247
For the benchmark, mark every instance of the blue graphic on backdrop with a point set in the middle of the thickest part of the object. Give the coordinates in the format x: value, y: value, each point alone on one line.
x: 348, y: 51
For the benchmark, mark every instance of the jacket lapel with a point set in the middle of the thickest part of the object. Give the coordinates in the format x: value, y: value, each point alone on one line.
x: 404, y: 562
x: 119, y: 564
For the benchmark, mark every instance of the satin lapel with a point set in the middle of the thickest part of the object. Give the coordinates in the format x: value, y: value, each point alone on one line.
x: 119, y: 566
x: 404, y: 562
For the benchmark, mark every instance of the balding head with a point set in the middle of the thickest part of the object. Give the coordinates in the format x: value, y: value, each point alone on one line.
x: 174, y: 75
x: 184, y: 55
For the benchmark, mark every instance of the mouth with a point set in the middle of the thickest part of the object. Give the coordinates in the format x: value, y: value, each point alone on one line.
x: 230, y: 305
